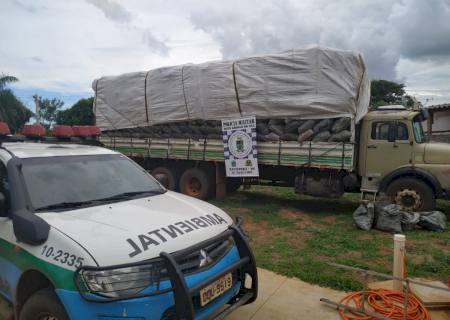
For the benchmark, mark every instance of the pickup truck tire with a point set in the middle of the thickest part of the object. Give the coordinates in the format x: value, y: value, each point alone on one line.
x: 196, y: 183
x: 171, y: 177
x: 412, y: 194
x: 43, y: 305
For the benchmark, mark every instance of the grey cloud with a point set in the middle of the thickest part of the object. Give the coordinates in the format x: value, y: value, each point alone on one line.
x: 384, y: 30
x: 112, y: 10
x: 119, y: 14
x: 155, y: 45
x: 423, y: 27
x: 36, y: 58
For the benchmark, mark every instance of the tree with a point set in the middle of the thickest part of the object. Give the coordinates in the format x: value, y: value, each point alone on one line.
x: 5, y: 79
x: 80, y: 113
x: 48, y: 110
x: 12, y: 110
x: 384, y: 92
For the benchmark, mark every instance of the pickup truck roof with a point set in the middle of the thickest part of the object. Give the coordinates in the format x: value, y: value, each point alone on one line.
x: 34, y: 150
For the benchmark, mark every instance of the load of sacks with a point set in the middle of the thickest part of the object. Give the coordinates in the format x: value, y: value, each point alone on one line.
x: 321, y: 130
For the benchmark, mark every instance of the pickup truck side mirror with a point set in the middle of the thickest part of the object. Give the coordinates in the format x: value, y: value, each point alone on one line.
x: 162, y: 178
x: 392, y: 132
x: 30, y: 228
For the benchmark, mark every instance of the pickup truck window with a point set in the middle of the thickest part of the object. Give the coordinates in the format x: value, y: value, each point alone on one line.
x: 380, y: 130
x: 63, y: 183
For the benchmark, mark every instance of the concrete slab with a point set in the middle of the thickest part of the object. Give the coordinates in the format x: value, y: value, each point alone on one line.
x: 286, y: 298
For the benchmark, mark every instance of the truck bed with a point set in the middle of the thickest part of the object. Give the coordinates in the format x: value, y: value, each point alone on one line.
x: 331, y: 155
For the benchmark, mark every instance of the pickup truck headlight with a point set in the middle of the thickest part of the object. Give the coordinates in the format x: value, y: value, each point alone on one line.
x: 120, y: 282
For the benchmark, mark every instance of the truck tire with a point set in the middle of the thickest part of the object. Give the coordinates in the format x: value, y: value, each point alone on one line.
x: 196, y: 183
x: 43, y: 305
x: 171, y: 177
x: 412, y: 194
x: 233, y: 184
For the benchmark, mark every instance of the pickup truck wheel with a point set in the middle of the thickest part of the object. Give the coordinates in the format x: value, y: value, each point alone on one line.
x: 43, y: 305
x: 196, y: 183
x: 412, y: 194
x: 171, y: 177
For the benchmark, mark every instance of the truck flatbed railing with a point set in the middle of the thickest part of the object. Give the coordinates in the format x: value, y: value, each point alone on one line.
x: 335, y: 155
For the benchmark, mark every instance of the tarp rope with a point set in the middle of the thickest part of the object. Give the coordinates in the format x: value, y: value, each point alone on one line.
x: 388, y: 303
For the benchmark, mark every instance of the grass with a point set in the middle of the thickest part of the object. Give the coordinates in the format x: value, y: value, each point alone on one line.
x: 298, y: 235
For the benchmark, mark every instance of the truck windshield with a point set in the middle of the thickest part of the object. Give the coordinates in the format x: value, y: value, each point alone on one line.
x: 58, y: 183
x: 419, y: 134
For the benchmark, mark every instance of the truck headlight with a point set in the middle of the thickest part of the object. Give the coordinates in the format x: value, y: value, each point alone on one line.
x: 120, y: 282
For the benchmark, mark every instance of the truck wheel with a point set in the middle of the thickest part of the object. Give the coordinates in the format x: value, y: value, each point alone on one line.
x: 43, y: 305
x: 412, y: 194
x: 196, y: 183
x: 171, y: 177
x: 233, y: 184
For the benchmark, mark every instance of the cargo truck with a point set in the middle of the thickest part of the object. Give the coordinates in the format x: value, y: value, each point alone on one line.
x: 386, y: 150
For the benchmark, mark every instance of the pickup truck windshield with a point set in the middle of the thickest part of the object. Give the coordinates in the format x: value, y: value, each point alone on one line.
x: 67, y: 182
x: 419, y: 135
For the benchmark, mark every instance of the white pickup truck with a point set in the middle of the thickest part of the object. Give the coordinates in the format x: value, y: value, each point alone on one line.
x: 85, y: 233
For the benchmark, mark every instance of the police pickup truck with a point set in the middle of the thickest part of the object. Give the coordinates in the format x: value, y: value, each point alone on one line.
x: 85, y: 233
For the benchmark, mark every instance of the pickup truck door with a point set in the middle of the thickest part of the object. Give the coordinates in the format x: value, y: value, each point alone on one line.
x: 384, y: 156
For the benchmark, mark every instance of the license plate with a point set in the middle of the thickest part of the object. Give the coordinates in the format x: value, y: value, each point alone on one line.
x: 215, y: 289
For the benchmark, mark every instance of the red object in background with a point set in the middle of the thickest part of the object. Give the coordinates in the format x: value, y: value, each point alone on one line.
x: 62, y: 131
x: 95, y: 131
x: 81, y: 131
x: 4, y: 129
x: 33, y: 130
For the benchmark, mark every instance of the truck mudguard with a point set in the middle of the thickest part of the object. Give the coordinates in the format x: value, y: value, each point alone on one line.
x: 414, y: 172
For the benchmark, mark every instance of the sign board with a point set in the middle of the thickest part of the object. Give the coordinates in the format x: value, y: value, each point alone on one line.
x: 239, y: 143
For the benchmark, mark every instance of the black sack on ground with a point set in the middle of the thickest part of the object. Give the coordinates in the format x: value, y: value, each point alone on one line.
x: 433, y: 220
x: 389, y: 218
x: 364, y: 216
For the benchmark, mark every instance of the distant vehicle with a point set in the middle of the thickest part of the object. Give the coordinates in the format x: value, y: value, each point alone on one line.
x: 86, y: 233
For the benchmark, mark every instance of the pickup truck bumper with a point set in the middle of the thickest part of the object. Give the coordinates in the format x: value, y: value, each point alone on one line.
x: 177, y: 297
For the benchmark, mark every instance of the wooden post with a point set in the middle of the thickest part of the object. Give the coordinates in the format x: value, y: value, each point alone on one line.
x: 399, y: 258
x: 221, y: 181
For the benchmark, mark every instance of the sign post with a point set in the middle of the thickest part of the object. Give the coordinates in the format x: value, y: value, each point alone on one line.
x: 239, y: 142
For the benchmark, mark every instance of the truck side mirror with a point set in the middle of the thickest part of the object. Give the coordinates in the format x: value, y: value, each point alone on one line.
x: 392, y: 132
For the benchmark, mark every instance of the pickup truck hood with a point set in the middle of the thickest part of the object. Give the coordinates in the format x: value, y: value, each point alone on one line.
x: 140, y: 229
x: 437, y: 153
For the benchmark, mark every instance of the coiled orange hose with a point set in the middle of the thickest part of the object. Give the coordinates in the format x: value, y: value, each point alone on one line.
x: 388, y: 303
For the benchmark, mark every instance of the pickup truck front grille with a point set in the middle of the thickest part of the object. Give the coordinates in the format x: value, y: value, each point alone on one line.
x: 205, y: 257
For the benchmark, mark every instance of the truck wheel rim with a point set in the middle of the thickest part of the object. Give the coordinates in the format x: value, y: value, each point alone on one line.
x: 194, y: 187
x: 47, y: 317
x: 408, y: 199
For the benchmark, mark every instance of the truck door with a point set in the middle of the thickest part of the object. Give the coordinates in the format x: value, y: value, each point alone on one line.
x: 388, y: 147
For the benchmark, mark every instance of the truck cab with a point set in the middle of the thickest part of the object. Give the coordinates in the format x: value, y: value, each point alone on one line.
x: 85, y: 233
x: 395, y: 157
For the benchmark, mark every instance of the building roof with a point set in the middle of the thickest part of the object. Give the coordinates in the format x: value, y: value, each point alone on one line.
x: 444, y: 106
x: 34, y: 150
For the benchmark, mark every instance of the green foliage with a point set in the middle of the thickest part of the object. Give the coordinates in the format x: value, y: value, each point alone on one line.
x: 79, y: 114
x: 384, y: 92
x: 48, y: 110
x: 5, y: 79
x: 12, y: 110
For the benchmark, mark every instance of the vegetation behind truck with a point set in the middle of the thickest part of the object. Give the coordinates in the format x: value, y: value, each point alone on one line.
x: 166, y: 130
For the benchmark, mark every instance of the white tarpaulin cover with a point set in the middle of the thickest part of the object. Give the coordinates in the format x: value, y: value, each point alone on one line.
x: 302, y: 83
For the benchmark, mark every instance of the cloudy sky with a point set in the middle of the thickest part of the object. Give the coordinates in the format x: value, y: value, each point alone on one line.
x: 56, y: 48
